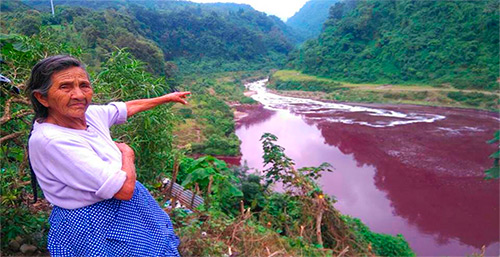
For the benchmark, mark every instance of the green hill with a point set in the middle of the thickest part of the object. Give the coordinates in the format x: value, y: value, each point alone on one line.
x: 308, y: 21
x: 205, y: 38
x: 434, y: 42
x: 190, y: 37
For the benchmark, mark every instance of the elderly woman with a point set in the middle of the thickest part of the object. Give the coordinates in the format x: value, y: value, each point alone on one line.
x: 99, y: 207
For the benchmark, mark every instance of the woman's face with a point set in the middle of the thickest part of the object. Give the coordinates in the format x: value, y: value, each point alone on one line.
x: 70, y: 94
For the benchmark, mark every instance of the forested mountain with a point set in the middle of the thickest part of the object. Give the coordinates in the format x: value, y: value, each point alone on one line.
x: 190, y: 37
x: 308, y: 21
x: 407, y: 41
x: 216, y: 38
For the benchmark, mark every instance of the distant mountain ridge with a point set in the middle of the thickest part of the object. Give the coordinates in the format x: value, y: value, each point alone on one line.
x: 44, y: 5
x: 308, y: 21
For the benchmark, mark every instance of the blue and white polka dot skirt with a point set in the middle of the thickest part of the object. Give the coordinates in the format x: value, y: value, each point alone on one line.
x: 138, y: 227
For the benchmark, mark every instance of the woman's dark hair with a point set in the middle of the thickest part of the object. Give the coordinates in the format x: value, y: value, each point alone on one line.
x: 40, y: 81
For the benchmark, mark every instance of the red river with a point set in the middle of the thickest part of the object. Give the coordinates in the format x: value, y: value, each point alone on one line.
x: 411, y: 170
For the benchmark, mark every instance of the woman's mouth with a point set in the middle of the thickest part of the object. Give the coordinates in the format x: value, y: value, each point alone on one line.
x: 78, y: 105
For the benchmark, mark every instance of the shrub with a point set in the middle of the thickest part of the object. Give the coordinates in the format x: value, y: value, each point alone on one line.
x: 186, y: 113
x: 382, y: 244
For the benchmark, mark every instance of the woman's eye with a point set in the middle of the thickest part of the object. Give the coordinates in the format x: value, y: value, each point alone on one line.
x: 64, y: 86
x: 85, y: 86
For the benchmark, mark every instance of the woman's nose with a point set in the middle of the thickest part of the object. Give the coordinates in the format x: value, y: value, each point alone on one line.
x: 77, y: 93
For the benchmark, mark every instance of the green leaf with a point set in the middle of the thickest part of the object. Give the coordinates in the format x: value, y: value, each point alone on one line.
x: 496, y: 138
x: 492, y: 173
x: 8, y: 36
x: 21, y: 47
x: 220, y: 165
x: 234, y: 191
x: 188, y: 180
x: 200, y: 174
x: 201, y: 160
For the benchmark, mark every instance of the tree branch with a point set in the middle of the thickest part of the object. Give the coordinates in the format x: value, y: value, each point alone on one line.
x: 7, y: 112
x: 11, y: 136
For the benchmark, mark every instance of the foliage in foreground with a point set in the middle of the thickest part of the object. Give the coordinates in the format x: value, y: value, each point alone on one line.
x: 381, y: 244
x: 21, y: 221
x: 300, y: 221
x: 494, y: 171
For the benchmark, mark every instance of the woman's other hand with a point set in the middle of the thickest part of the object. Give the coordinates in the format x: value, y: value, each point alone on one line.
x: 125, y: 149
x: 128, y: 157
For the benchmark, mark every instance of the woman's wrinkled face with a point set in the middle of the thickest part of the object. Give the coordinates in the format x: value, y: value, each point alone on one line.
x: 70, y: 94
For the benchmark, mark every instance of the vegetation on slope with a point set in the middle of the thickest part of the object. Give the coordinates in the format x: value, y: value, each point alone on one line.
x: 432, y: 42
x: 200, y: 40
x: 208, y: 126
x: 293, y: 83
x: 308, y: 21
x: 96, y: 33
x: 192, y: 38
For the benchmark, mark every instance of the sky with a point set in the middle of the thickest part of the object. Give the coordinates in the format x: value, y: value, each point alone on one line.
x: 284, y: 9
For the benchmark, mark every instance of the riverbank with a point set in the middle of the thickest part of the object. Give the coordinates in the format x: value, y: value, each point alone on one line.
x: 320, y: 96
x: 295, y: 84
x: 207, y: 123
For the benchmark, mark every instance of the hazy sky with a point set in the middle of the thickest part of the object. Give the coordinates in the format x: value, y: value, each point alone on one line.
x: 281, y: 8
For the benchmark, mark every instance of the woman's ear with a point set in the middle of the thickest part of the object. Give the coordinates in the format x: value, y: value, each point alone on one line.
x: 42, y: 99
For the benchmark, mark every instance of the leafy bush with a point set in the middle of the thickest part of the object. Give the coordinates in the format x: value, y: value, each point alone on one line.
x: 215, y: 180
x: 253, y: 192
x: 186, y: 113
x: 217, y: 145
x: 18, y: 221
x: 286, y: 211
x: 475, y: 99
x: 247, y: 100
x: 382, y: 244
x: 293, y: 80
x: 493, y: 172
x: 123, y: 78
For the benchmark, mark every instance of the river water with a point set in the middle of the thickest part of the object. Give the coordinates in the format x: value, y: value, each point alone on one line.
x: 401, y: 169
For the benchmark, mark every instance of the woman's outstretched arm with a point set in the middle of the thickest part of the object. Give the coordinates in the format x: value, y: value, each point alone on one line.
x: 140, y: 105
